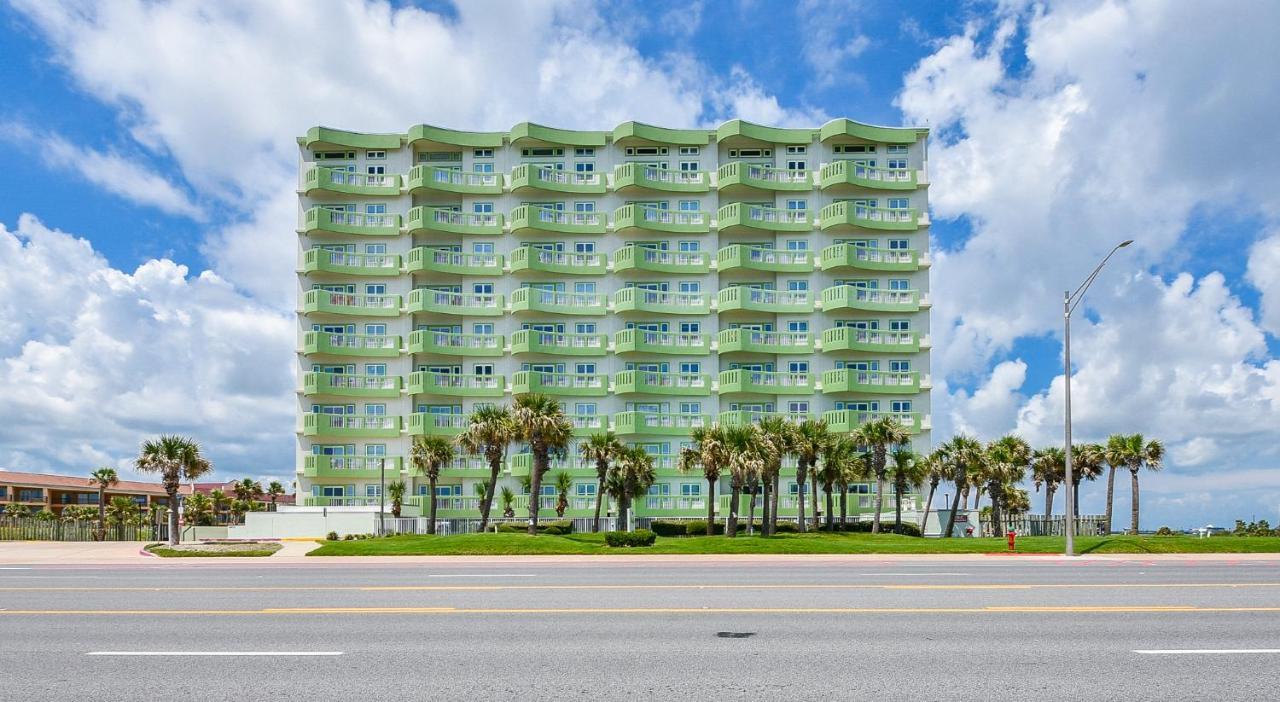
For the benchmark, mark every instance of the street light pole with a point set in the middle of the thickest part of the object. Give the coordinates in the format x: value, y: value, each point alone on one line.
x: 382, y: 500
x: 1069, y: 302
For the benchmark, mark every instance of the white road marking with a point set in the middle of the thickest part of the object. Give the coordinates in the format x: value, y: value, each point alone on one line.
x: 1207, y: 651
x: 13, y: 568
x: 483, y: 575
x: 213, y: 653
x: 911, y: 575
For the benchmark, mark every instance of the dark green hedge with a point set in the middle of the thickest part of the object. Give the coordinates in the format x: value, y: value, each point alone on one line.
x: 623, y: 539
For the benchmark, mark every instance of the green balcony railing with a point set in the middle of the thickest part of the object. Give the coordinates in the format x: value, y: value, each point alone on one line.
x: 426, y: 258
x: 845, y: 421
x: 339, y: 180
x: 756, y: 341
x: 838, y: 173
x: 869, y: 340
x: 873, y: 381
x: 455, y: 344
x: 639, y: 175
x: 529, y: 176
x: 843, y: 215
x: 550, y: 301
x: 448, y: 180
x: 669, y: 343
x: 350, y: 384
x: 433, y: 424
x: 522, y: 463
x: 455, y: 303
x: 658, y: 423
x: 328, y: 302
x: 559, y: 343
x: 456, y: 384
x: 744, y: 417
x: 660, y: 302
x: 740, y: 216
x: 349, y: 263
x: 531, y: 258
x: 870, y: 299
x: 763, y: 258
x: 533, y: 219
x: 869, y: 258
x: 643, y: 258
x: 740, y: 175
x: 765, y: 382
x: 633, y: 216
x: 424, y: 218
x: 319, y: 342
x: 320, y: 219
x: 655, y: 383
x: 352, y: 467
x: 758, y: 299
x: 572, y: 384
x: 378, y: 426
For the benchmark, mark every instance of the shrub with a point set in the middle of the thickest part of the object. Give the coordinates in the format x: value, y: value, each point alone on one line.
x: 349, y: 537
x: 557, y: 528
x: 1164, y: 531
x: 669, y: 528
x: 331, y: 536
x: 623, y: 539
x: 905, y: 529
x: 787, y: 528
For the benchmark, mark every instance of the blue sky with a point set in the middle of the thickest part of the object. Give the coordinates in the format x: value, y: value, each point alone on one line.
x: 162, y: 136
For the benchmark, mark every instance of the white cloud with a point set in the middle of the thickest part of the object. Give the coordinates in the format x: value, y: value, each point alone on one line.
x: 993, y: 407
x: 831, y: 36
x: 1264, y: 274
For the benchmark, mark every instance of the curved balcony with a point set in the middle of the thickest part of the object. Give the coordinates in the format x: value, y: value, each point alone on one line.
x: 529, y: 258
x: 326, y: 302
x: 425, y: 218
x: 658, y: 424
x: 426, y: 258
x: 423, y: 136
x: 538, y: 300
x: 850, y: 173
x: 654, y: 383
x: 381, y: 346
x: 340, y: 180
x: 735, y: 418
x: 350, y: 385
x: 321, y: 220
x: 633, y: 218
x: 660, y: 302
x: 847, y: 215
x: 522, y: 463
x: 425, y: 178
x: 432, y: 424
x: 740, y: 176
x: 636, y: 176
x: 455, y: 304
x: 869, y: 340
x: 348, y: 263
x: 351, y: 467
x: 572, y: 384
x: 454, y: 344
x: 846, y: 421
x: 530, y: 219
x: 743, y: 218
x: 879, y: 382
x: 747, y: 297
x: 456, y: 384
x: 629, y: 133
x: 528, y: 176
x: 668, y: 343
x: 559, y: 344
x: 642, y: 258
x: 340, y: 426
x: 322, y: 138
x: 843, y: 127
x: 756, y: 341
x: 763, y: 258
x: 868, y: 258
x: 765, y: 382
x: 870, y: 299
x: 738, y: 131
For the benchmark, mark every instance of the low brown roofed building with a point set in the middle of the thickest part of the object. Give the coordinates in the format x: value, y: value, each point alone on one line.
x: 41, y: 491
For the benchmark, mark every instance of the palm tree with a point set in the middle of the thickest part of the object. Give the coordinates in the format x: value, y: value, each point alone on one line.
x: 1087, y: 461
x: 1117, y: 455
x: 1135, y: 452
x: 274, y: 491
x: 1007, y: 459
x: 745, y: 461
x: 247, y: 490
x: 709, y: 453
x: 220, y: 502
x: 601, y: 450
x: 909, y: 470
x: 427, y: 456
x: 103, y: 478
x: 198, y: 510
x: 835, y: 457
x: 120, y: 512
x: 508, y: 502
x: 541, y: 423
x: 936, y: 470
x: 631, y: 476
x: 966, y: 454
x: 1048, y: 467
x: 779, y: 435
x: 489, y: 432
x: 810, y: 439
x: 238, y: 509
x: 853, y: 469
x: 396, y: 490
x: 564, y: 483
x: 174, y: 458
x: 878, y: 435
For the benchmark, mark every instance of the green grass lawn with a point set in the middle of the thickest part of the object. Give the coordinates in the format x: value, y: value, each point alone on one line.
x: 521, y: 544
x: 214, y: 550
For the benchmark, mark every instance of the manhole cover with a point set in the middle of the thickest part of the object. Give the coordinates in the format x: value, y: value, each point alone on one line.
x: 735, y: 634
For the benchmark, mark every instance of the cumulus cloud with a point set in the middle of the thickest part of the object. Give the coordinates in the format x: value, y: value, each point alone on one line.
x: 1264, y: 274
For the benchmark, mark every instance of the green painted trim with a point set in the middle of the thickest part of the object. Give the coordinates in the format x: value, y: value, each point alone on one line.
x: 773, y: 342
x: 456, y: 384
x: 350, y: 425
x: 743, y: 297
x: 759, y: 132
x: 845, y: 421
x: 324, y: 137
x: 578, y: 304
x: 451, y: 344
x: 551, y: 135
x: 350, y: 385
x: 448, y: 180
x: 559, y: 344
x: 645, y: 259
x: 528, y: 217
x: 319, y: 219
x: 740, y: 215
x: 739, y: 175
x: 337, y: 180
x: 847, y: 172
x: 665, y: 343
x: 765, y: 383
x: 353, y: 467
x: 638, y: 176
x: 645, y: 423
x: 427, y: 258
x: 528, y: 176
x: 350, y: 263
x: 429, y: 424
x: 457, y: 304
x: 527, y: 258
x: 637, y: 217
x: 869, y: 340
x: 639, y: 131
x: 869, y: 132
x: 763, y: 258
x: 424, y: 218
x: 380, y: 346
x: 840, y: 256
x: 870, y: 300
x: 840, y: 215
x: 846, y: 380
x: 323, y: 301
x: 455, y: 137
x: 743, y: 417
x: 571, y: 384
x: 652, y: 383
x: 637, y: 300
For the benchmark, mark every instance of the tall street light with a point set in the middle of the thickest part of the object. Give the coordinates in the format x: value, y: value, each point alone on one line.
x: 1069, y: 302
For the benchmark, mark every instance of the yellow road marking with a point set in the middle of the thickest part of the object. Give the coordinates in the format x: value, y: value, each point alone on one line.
x: 650, y: 610
x: 694, y: 586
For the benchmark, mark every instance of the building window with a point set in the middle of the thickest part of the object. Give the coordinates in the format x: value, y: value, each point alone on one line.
x: 584, y: 152
x: 375, y: 154
x: 899, y: 203
x: 896, y: 148
x: 690, y: 150
x: 482, y: 153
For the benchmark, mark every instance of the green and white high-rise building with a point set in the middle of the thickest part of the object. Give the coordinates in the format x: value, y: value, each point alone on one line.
x: 651, y: 279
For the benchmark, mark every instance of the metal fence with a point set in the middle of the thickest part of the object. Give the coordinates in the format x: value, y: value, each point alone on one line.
x: 446, y: 527
x: 32, y: 529
x: 1040, y: 525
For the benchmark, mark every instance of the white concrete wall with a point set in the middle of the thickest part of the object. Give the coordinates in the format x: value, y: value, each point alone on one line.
x: 286, y: 525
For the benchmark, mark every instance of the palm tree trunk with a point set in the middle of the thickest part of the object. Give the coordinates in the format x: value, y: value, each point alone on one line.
x: 711, y: 507
x: 495, y: 467
x: 814, y: 500
x: 927, y: 504
x: 801, y: 470
x: 844, y: 506
x: 1048, y: 502
x: 765, y: 484
x: 624, y: 505
x: 831, y: 511
x: 997, y: 525
x: 431, y: 513
x: 1133, y: 522
x: 897, y: 507
x: 1075, y: 495
x: 540, y: 465
x: 951, y: 518
x: 595, y: 524
x: 102, y: 513
x: 773, y: 507
x: 731, y: 524
x: 1111, y: 490
x: 875, y: 524
x: 965, y: 492
x: 173, y: 517
x: 751, y: 510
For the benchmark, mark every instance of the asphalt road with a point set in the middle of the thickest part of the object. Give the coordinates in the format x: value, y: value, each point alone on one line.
x: 993, y: 629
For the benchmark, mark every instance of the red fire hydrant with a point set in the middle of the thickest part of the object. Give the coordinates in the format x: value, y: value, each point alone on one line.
x: 1012, y: 536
